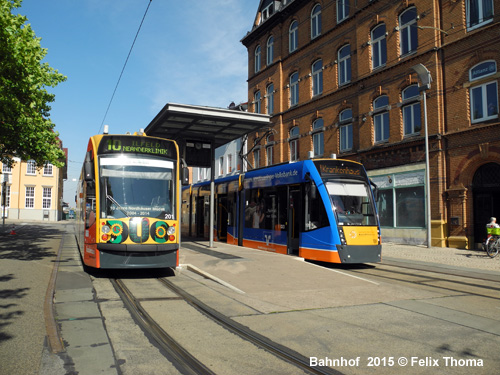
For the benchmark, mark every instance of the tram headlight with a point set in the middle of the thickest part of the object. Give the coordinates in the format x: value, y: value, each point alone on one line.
x: 171, y: 230
x: 105, y: 229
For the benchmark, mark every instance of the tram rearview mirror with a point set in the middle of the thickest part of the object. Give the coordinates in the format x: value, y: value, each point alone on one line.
x: 185, y: 176
x: 88, y: 167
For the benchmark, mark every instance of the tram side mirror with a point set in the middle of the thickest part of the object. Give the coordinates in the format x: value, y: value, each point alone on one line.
x: 185, y: 176
x: 314, y: 190
x: 375, y: 190
x: 88, y: 167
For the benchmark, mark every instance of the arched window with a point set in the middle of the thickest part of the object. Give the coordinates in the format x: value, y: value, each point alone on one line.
x: 294, y: 143
x: 270, y: 98
x: 317, y: 77
x: 411, y: 111
x: 294, y: 89
x: 344, y: 59
x: 408, y: 32
x: 379, y: 46
x: 256, y: 102
x: 381, y: 118
x: 316, y: 21
x: 270, y: 51
x: 318, y: 137
x: 269, y: 150
x: 293, y: 36
x: 257, y: 59
x: 345, y: 127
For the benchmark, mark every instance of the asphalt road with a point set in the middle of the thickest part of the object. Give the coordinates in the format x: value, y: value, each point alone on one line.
x: 26, y: 261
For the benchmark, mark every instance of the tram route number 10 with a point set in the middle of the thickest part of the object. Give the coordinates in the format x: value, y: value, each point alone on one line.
x: 114, y: 144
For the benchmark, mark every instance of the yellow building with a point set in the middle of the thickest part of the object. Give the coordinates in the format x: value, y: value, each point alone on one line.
x: 31, y: 193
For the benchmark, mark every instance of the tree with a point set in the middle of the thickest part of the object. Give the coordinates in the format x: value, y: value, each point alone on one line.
x: 26, y: 130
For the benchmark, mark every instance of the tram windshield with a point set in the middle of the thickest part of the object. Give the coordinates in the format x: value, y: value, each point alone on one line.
x: 133, y: 186
x: 352, y: 202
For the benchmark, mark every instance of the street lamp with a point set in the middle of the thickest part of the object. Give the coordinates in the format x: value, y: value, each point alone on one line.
x: 425, y: 78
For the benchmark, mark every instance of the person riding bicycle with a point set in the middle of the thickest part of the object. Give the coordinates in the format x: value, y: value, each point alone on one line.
x: 492, y: 223
x: 492, y: 243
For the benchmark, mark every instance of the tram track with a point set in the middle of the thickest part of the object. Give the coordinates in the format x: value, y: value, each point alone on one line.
x: 402, y: 272
x: 181, y: 357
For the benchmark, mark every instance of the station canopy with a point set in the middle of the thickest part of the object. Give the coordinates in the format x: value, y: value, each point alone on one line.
x: 199, y: 130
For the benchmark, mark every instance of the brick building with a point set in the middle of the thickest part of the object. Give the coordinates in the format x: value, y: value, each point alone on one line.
x: 338, y: 79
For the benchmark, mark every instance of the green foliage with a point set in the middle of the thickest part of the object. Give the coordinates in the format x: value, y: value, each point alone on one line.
x: 25, y: 128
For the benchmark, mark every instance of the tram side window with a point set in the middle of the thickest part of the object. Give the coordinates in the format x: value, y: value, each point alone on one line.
x: 266, y: 209
x: 315, y: 212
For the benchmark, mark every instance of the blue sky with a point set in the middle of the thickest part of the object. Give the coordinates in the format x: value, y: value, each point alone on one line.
x: 187, y: 52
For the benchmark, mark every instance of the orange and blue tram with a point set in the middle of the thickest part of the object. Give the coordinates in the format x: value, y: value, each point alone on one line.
x: 322, y: 209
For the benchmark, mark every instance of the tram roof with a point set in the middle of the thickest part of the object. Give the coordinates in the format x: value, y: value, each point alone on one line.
x: 182, y: 122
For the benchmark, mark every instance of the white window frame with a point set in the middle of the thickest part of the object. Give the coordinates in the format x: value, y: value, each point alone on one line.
x: 258, y: 53
x: 294, y: 89
x: 317, y: 77
x: 486, y: 101
x: 294, y: 143
x: 410, y: 103
x: 256, y: 158
x: 31, y: 167
x: 342, y: 10
x: 316, y: 21
x: 490, y: 68
x: 379, y: 118
x: 379, y: 45
x: 48, y: 169
x: 270, y: 99
x: 406, y: 30
x: 293, y: 36
x: 345, y: 124
x: 344, y: 63
x: 318, y: 137
x: 270, y: 50
x: 47, y: 198
x: 256, y: 102
x: 6, y: 169
x: 481, y: 16
x: 29, y: 199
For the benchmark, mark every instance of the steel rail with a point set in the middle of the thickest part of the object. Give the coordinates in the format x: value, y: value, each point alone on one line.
x: 428, y: 278
x: 179, y: 356
x: 263, y: 342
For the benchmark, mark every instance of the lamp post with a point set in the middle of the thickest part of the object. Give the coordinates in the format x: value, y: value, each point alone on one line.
x: 425, y: 78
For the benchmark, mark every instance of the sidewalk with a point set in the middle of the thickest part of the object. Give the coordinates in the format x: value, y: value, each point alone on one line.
x: 471, y: 259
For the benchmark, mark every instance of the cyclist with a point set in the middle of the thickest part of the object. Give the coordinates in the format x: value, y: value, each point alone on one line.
x: 492, y: 243
x: 492, y: 223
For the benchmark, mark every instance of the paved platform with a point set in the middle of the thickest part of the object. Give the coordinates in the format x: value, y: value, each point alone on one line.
x: 265, y: 281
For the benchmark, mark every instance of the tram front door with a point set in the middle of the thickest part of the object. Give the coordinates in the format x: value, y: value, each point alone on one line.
x: 294, y: 215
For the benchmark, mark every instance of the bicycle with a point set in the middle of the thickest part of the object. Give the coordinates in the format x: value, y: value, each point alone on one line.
x: 492, y: 244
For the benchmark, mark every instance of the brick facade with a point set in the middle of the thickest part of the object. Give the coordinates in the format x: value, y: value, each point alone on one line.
x: 447, y: 46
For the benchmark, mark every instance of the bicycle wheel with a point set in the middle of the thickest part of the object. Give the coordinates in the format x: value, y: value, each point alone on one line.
x: 492, y: 246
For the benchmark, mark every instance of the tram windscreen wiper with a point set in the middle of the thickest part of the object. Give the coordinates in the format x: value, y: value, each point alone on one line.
x: 117, y: 205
